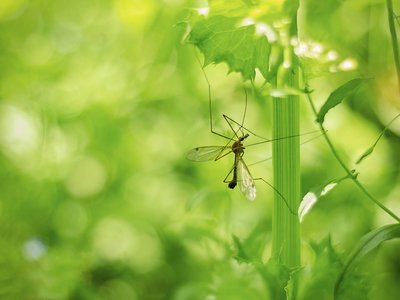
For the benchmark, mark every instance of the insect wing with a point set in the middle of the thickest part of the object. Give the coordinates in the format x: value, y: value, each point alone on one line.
x: 206, y: 153
x: 246, y: 182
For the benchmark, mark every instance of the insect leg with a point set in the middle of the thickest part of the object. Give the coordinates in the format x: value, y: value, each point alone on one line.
x: 210, y: 104
x: 279, y: 193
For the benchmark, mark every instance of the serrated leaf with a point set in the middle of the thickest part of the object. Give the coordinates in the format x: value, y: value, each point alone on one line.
x: 367, y: 243
x: 337, y: 96
x: 277, y: 276
x: 241, y: 255
x: 251, y: 248
x: 320, y: 278
x: 222, y: 39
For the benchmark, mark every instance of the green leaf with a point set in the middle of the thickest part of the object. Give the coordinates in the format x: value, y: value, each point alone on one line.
x: 318, y: 279
x: 367, y: 243
x: 251, y: 248
x: 311, y: 198
x: 371, y: 149
x: 337, y: 96
x: 241, y: 255
x: 277, y: 276
x: 366, y: 153
x: 222, y: 39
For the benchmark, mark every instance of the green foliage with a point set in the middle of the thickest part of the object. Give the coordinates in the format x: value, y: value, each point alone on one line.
x: 250, y: 249
x: 318, y: 280
x: 367, y: 243
x: 337, y: 96
x: 278, y: 277
x: 236, y: 33
x: 316, y: 193
x: 371, y: 149
x: 221, y: 39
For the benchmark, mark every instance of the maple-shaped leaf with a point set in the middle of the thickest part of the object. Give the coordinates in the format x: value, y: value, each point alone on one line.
x: 223, y: 39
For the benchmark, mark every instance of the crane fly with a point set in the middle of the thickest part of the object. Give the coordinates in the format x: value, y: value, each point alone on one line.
x: 241, y: 173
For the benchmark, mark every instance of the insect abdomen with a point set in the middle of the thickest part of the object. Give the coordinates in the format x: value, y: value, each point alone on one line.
x: 232, y: 184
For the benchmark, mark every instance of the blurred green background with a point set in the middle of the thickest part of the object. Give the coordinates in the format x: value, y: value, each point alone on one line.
x: 100, y: 101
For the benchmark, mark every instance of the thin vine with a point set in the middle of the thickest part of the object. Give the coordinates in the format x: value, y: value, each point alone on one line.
x: 348, y: 171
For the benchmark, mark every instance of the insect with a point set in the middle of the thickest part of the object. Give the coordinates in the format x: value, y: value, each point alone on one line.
x: 240, y: 173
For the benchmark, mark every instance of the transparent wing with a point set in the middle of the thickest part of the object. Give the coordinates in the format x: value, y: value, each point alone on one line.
x: 207, y: 153
x: 246, y: 182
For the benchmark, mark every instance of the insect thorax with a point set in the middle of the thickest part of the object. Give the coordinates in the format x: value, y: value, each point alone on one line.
x: 237, y: 146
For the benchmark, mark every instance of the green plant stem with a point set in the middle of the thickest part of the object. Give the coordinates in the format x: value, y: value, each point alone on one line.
x: 346, y: 169
x: 393, y: 35
x: 286, y: 165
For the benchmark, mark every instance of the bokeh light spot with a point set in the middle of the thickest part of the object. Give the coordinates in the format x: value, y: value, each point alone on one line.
x: 332, y: 55
x: 203, y: 11
x: 347, y: 65
x: 19, y: 131
x: 70, y: 219
x: 86, y: 178
x: 116, y: 239
x: 34, y: 249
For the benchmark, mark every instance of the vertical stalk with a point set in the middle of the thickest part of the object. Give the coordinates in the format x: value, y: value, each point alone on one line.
x: 286, y: 159
x: 393, y: 35
x: 286, y: 164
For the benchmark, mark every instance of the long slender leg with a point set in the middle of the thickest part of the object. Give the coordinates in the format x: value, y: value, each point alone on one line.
x: 245, y: 108
x: 229, y: 120
x: 279, y: 193
x: 210, y: 103
x: 220, y: 155
x: 234, y: 178
x: 225, y: 116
